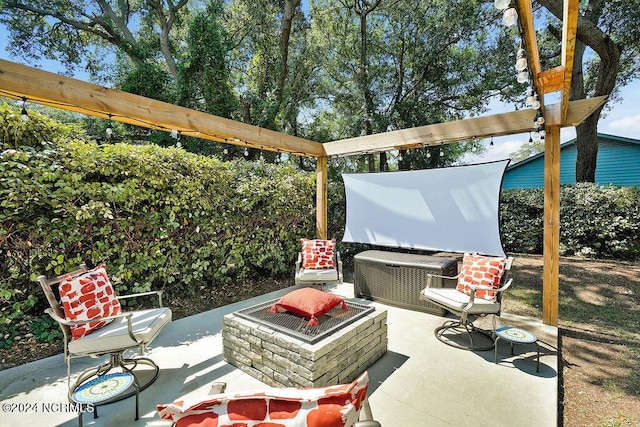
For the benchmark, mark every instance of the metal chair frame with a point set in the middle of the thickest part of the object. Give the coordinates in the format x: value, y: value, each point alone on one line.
x: 117, y: 358
x: 469, y: 312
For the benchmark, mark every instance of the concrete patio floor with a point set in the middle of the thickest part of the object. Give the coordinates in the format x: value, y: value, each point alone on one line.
x: 418, y: 382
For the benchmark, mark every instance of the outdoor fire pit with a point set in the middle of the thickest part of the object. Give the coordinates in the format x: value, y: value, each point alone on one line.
x: 283, y: 350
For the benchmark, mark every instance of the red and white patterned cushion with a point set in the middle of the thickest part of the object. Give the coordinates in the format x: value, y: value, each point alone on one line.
x: 317, y: 254
x: 481, y: 270
x: 88, y: 296
x: 333, y: 406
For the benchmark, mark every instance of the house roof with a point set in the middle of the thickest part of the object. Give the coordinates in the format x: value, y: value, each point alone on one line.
x: 601, y: 138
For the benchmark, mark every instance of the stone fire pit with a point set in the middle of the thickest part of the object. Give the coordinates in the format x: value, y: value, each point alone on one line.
x: 288, y: 358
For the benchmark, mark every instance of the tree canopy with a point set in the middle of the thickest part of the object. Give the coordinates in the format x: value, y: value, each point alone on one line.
x: 325, y: 69
x: 607, y: 57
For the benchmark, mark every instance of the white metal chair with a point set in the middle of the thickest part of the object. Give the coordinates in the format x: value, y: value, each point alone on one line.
x: 318, y: 263
x: 471, y: 299
x: 310, y: 276
x: 135, y: 329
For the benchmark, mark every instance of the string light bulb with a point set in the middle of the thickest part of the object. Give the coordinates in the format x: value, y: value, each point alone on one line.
x: 521, y: 60
x: 441, y: 151
x: 538, y: 120
x: 523, y: 76
x: 24, y: 116
x: 109, y: 129
x: 530, y: 98
x: 491, y: 143
x: 510, y: 17
x: 536, y: 103
x: 501, y: 4
x: 174, y: 133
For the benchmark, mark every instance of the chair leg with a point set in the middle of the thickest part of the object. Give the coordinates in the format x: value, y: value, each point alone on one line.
x: 469, y: 329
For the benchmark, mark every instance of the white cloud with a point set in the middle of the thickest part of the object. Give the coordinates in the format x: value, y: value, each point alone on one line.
x: 629, y: 125
x: 502, y: 148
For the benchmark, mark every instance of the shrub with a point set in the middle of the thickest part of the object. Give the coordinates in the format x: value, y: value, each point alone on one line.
x: 595, y: 221
x: 160, y: 218
x: 521, y: 220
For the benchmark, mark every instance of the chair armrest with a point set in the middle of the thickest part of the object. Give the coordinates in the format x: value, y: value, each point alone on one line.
x: 472, y: 295
x: 489, y: 288
x: 431, y: 275
x: 367, y: 424
x: 66, y: 322
x: 299, y: 261
x: 69, y: 323
x: 143, y: 294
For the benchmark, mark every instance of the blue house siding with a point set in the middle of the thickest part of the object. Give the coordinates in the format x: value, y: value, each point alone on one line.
x: 618, y: 164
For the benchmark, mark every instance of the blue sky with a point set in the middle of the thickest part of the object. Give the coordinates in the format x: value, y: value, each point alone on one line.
x: 623, y: 119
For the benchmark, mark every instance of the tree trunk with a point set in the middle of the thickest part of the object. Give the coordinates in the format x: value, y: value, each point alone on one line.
x: 587, y: 131
x: 290, y: 7
x: 587, y: 146
x: 384, y: 166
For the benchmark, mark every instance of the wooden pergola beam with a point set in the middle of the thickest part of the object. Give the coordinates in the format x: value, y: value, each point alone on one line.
x: 435, y: 134
x: 525, y: 17
x: 462, y: 130
x: 554, y: 118
x: 569, y: 34
x: 577, y: 111
x: 63, y: 92
x: 322, y: 197
x: 551, y: 80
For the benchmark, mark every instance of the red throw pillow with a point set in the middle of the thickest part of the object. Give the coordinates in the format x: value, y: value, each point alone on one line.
x: 318, y: 254
x: 480, y: 270
x: 88, y: 296
x: 308, y: 302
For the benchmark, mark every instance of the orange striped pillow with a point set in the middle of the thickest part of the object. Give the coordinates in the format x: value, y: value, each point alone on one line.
x: 481, y: 270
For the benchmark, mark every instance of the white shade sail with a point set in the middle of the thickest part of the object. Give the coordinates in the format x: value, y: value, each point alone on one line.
x: 453, y: 209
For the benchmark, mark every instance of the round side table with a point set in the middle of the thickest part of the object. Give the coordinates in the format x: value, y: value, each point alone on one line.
x: 515, y: 335
x: 104, y: 389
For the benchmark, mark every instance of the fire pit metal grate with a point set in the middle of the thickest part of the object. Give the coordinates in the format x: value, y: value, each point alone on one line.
x: 298, y: 326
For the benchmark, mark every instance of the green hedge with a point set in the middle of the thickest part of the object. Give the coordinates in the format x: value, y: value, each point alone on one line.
x: 160, y: 218
x: 595, y: 221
